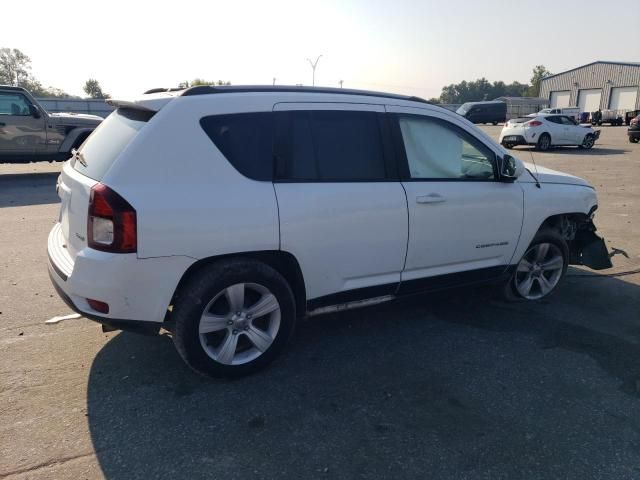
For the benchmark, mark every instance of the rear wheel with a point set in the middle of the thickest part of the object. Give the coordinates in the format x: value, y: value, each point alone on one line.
x: 540, y: 269
x: 544, y: 142
x: 494, y: 123
x: 233, y: 318
x: 508, y: 146
x: 634, y: 139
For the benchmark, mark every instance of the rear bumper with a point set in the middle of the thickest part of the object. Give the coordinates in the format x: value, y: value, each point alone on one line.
x: 514, y: 140
x: 136, y: 290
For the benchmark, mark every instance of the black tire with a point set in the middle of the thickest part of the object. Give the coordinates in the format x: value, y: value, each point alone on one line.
x: 509, y: 291
x: 204, y: 286
x: 494, y: 123
x: 634, y: 139
x: 508, y: 146
x: 544, y: 142
x: 588, y: 142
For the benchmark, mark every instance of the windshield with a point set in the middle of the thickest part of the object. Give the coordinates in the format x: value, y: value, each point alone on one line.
x: 464, y: 108
x: 111, y: 137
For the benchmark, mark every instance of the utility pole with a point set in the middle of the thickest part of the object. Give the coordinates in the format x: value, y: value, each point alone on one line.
x: 341, y: 83
x: 274, y: 80
x: 313, y: 67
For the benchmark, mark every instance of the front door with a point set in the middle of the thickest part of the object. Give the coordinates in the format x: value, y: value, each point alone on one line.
x: 343, y: 212
x: 20, y: 132
x: 464, y: 225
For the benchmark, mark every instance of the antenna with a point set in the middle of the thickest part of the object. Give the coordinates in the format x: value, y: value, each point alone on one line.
x: 535, y: 177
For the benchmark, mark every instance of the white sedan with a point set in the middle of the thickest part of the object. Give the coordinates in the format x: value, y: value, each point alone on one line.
x: 546, y: 131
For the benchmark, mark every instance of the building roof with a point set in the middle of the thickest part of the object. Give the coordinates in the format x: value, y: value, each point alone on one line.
x: 524, y: 100
x: 625, y: 64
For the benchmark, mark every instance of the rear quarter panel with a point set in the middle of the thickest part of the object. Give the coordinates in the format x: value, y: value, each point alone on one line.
x: 189, y: 199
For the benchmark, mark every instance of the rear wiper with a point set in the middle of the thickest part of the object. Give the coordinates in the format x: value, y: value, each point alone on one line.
x: 78, y: 157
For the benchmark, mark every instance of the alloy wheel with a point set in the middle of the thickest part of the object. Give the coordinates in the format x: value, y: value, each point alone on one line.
x: 539, y: 271
x: 239, y: 324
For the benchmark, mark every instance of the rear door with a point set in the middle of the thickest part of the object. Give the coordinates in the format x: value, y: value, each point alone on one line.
x: 558, y: 131
x: 343, y: 212
x: 464, y: 225
x: 20, y: 132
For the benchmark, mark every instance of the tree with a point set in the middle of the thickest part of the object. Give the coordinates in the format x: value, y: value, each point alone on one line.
x: 93, y: 89
x: 201, y: 81
x: 15, y: 67
x: 539, y: 72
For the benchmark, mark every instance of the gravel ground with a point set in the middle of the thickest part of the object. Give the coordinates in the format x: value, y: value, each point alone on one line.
x: 452, y: 385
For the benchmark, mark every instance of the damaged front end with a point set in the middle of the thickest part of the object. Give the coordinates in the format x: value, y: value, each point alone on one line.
x: 585, y: 247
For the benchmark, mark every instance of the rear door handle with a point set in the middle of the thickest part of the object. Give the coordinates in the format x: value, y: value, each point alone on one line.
x: 431, y: 198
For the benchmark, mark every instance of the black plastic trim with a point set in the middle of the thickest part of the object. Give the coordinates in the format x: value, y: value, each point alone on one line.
x: 481, y: 276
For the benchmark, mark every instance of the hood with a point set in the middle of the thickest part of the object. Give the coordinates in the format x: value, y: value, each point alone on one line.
x: 69, y: 118
x: 546, y: 175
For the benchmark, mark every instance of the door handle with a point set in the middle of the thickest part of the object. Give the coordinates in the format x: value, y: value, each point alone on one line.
x: 431, y: 198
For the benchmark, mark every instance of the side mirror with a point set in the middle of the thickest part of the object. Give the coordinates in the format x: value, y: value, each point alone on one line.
x: 33, y: 110
x: 510, y: 168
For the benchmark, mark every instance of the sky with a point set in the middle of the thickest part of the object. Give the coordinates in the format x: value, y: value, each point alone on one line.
x: 414, y: 47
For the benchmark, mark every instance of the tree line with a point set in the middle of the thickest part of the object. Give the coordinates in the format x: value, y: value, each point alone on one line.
x: 482, y: 89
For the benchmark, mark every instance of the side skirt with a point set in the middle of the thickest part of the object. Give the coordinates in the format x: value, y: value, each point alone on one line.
x: 351, y: 299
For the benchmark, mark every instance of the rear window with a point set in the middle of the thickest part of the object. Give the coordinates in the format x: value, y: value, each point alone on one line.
x: 111, y: 137
x: 246, y: 140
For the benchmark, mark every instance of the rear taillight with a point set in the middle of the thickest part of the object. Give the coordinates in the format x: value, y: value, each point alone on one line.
x: 533, y: 123
x: 111, y: 225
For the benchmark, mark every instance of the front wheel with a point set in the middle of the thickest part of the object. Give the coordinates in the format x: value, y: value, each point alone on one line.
x: 634, y: 139
x: 233, y: 318
x: 588, y: 142
x: 540, y: 269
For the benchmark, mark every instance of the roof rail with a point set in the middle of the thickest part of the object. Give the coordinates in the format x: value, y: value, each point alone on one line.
x: 210, y: 89
x: 162, y: 89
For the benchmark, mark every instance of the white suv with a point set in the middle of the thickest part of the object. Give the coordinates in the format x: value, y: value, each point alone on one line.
x: 222, y: 214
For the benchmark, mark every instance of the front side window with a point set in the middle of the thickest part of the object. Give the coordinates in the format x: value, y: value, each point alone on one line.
x: 438, y: 150
x: 14, y: 104
x: 329, y: 145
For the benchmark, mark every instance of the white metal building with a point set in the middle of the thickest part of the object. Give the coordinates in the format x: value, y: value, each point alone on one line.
x: 597, y: 85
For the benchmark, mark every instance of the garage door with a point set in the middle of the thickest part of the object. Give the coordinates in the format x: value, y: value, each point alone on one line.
x: 623, y: 98
x: 589, y: 100
x: 560, y: 99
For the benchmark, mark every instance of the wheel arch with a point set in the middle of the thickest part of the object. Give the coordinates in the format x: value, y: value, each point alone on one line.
x: 283, y: 262
x: 75, y: 138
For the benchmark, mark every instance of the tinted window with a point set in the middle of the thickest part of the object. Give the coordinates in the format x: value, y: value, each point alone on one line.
x: 567, y: 121
x: 245, y: 139
x: 111, y: 137
x: 553, y: 119
x: 329, y: 146
x: 438, y: 150
x: 14, y: 104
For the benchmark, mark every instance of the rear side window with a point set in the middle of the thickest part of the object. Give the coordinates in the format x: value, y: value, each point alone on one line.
x: 111, y: 137
x: 327, y: 145
x: 246, y: 140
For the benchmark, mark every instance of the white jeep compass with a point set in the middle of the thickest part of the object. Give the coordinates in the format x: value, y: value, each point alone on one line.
x: 222, y: 214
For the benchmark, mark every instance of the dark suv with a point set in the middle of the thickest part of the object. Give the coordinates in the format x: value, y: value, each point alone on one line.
x: 29, y: 133
x: 634, y: 130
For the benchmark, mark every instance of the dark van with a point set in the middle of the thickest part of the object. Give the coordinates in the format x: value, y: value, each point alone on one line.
x: 484, y: 112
